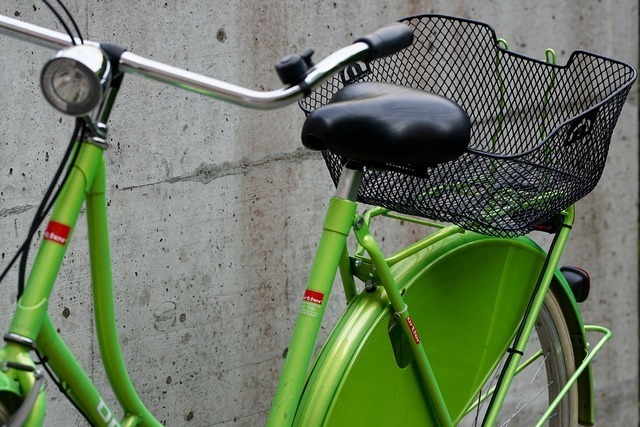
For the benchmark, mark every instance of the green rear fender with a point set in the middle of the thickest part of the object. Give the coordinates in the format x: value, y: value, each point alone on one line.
x: 580, y: 344
x: 466, y: 294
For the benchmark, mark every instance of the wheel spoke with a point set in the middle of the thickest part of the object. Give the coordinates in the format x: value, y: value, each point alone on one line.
x: 517, y: 409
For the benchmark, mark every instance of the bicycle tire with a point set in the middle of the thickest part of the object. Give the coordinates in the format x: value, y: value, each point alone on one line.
x: 552, y: 336
x: 359, y: 379
x: 5, y: 413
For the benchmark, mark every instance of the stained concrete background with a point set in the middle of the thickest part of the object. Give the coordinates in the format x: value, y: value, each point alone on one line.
x: 215, y: 209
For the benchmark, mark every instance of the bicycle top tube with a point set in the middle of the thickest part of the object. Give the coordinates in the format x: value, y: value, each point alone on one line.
x: 129, y: 62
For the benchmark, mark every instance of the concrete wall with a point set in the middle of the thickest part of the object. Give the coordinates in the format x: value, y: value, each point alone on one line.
x: 215, y: 209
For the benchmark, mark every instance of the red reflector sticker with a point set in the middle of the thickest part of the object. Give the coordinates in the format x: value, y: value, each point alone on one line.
x: 313, y: 296
x: 57, y: 232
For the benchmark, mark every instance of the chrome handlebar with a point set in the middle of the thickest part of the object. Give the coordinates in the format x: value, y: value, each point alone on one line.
x: 132, y: 63
x: 228, y: 92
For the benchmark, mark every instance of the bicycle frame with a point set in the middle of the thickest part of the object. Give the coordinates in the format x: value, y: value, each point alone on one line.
x: 31, y: 321
x: 87, y: 183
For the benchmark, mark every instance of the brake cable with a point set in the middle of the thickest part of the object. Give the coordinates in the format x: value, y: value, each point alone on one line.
x: 62, y: 21
x: 44, y: 208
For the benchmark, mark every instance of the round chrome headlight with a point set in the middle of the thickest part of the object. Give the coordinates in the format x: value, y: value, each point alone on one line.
x: 75, y: 79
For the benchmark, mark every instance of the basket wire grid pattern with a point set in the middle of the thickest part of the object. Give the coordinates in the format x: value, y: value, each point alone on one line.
x: 539, y: 138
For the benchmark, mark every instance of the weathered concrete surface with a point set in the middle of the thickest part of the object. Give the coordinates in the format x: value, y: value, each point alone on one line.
x: 215, y: 210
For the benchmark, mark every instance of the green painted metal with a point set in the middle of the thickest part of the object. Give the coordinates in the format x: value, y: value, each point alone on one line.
x: 104, y: 306
x: 338, y: 222
x: 413, y: 219
x: 490, y: 392
x: 502, y: 89
x: 77, y: 383
x: 579, y: 370
x: 467, y: 294
x: 32, y: 307
x: 346, y: 275
x: 333, y: 361
x: 31, y: 319
x: 85, y: 183
x: 550, y: 57
x: 529, y: 322
x: 486, y: 297
x: 8, y: 385
x: 415, y: 247
x: 423, y: 243
x: 433, y: 397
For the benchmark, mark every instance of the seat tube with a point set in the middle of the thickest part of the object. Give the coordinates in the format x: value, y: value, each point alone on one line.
x: 338, y: 222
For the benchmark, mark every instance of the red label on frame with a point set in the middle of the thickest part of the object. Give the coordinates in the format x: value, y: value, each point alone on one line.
x: 313, y: 296
x: 57, y: 232
x: 414, y: 331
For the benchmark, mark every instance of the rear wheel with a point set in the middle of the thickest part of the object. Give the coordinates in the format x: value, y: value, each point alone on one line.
x: 546, y: 366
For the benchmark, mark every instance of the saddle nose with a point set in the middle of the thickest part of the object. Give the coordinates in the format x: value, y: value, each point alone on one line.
x: 380, y: 124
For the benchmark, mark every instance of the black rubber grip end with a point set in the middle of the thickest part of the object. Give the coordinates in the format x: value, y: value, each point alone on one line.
x: 387, y: 40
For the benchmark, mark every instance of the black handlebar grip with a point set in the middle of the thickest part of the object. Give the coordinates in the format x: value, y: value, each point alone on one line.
x: 387, y: 40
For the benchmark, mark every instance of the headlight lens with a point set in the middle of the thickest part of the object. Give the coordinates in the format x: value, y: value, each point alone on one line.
x: 75, y: 79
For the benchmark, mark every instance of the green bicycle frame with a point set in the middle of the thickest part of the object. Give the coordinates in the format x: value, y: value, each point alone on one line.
x: 86, y: 183
x: 330, y: 254
x: 336, y: 228
x: 529, y: 321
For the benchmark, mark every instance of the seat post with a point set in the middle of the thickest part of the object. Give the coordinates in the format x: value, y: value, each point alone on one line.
x: 349, y: 183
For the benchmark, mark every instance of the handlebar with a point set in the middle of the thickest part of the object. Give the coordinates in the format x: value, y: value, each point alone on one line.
x: 383, y: 42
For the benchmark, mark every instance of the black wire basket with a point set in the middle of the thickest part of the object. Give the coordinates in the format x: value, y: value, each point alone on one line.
x: 540, y: 132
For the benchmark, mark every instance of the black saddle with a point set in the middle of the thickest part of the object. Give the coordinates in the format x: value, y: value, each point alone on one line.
x: 381, y: 124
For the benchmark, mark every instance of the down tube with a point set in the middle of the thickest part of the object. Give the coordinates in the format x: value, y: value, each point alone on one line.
x: 76, y: 382
x: 337, y: 224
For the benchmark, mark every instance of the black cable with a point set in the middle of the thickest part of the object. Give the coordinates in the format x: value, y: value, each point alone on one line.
x: 38, y: 218
x: 64, y: 24
x: 43, y: 209
x: 475, y: 420
x: 73, y: 21
x: 48, y: 202
x: 43, y: 362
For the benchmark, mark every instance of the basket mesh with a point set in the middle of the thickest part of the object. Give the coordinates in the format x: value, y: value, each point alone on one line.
x: 540, y: 132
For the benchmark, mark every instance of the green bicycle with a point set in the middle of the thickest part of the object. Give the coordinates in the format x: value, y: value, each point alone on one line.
x: 428, y: 118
